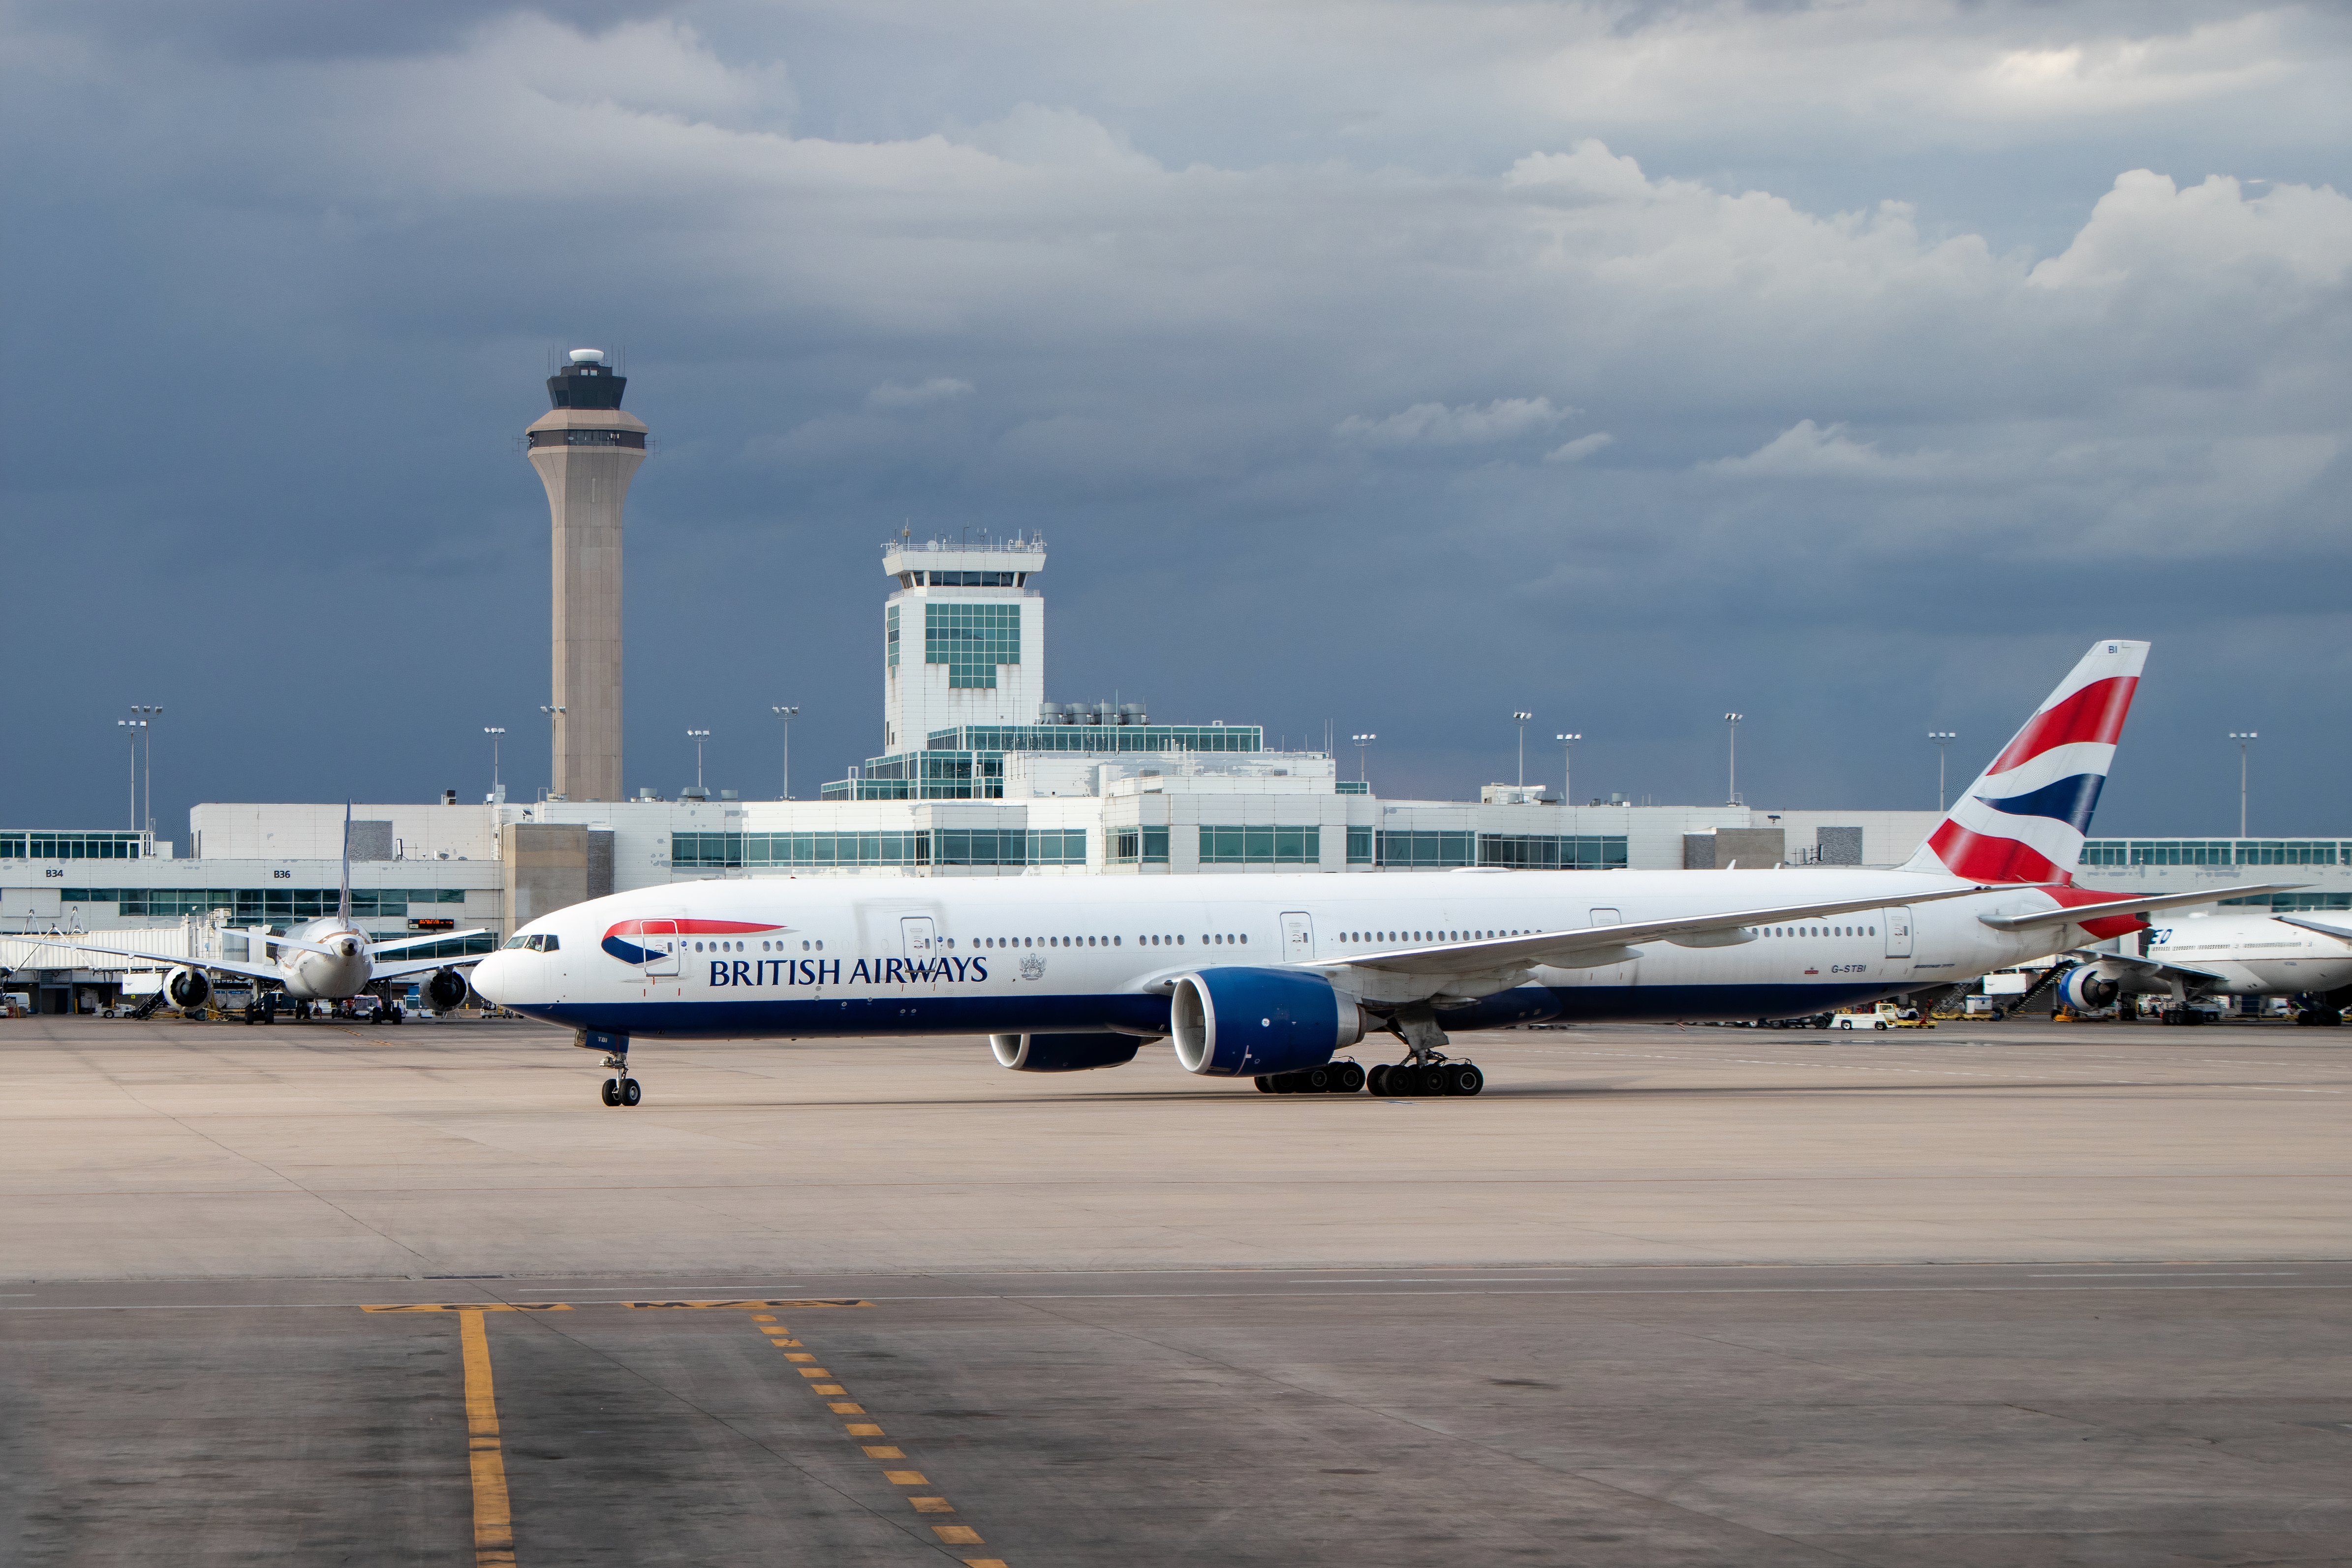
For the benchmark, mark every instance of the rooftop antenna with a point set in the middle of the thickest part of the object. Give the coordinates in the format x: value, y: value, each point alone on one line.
x: 343, y: 901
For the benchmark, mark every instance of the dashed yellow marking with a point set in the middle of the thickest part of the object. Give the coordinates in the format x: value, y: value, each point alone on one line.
x: 493, y: 1518
x: 949, y: 1534
x: 799, y: 1356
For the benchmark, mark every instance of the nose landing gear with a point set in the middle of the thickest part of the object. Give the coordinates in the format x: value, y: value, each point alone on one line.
x: 620, y: 1089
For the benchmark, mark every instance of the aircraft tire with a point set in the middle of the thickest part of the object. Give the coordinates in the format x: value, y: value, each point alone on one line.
x: 612, y: 1091
x: 630, y: 1092
x: 1377, y: 1079
x: 1264, y: 1084
x: 1463, y: 1077
x: 1347, y: 1077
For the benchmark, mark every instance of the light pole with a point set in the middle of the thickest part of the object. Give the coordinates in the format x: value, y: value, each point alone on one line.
x: 787, y: 715
x: 554, y: 712
x: 147, y: 723
x: 1731, y: 730
x: 1567, y: 765
x: 133, y: 726
x: 1943, y: 738
x: 1521, y: 720
x: 1362, y: 741
x: 2243, y: 737
x: 493, y: 731
x: 697, y: 737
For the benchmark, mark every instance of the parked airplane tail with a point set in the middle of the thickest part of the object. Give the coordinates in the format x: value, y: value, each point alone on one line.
x: 2025, y: 817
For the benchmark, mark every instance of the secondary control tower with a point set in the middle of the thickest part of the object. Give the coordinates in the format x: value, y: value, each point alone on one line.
x: 587, y: 451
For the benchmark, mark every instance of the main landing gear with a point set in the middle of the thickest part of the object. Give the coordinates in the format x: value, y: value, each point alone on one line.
x: 1332, y: 1078
x: 1426, y: 1069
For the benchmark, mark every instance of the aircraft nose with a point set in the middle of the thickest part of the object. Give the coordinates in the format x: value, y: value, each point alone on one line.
x: 490, y: 977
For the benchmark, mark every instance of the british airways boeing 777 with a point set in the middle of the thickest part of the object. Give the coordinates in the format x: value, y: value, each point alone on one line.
x: 1268, y: 977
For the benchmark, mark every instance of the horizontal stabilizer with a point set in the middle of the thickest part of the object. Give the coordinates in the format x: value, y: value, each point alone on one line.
x: 2110, y: 908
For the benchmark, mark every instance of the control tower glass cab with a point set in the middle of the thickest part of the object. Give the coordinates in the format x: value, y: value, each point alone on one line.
x: 587, y: 451
x: 963, y: 637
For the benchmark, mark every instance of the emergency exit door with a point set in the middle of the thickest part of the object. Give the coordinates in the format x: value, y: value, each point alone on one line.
x: 661, y: 944
x: 1297, y: 937
x: 1899, y: 932
x: 916, y: 939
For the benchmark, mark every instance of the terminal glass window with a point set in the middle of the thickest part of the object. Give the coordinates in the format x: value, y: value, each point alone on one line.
x: 1422, y: 848
x: 1147, y: 846
x: 1359, y: 846
x: 1222, y: 845
x: 1550, y: 851
x: 45, y: 846
x: 890, y: 637
x: 2215, y: 851
x: 2290, y: 903
x: 262, y: 905
x: 971, y: 640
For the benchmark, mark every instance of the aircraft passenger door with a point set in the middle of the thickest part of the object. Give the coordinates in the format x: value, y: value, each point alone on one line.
x: 1899, y: 932
x: 1297, y: 937
x: 660, y: 940
x: 915, y: 937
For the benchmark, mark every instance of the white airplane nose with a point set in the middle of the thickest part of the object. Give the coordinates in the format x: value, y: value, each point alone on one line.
x: 489, y: 976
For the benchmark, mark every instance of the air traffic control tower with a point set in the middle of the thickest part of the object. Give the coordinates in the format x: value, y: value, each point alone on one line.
x: 587, y: 451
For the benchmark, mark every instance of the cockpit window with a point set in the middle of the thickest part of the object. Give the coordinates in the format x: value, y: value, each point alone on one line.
x: 550, y: 943
x: 517, y: 941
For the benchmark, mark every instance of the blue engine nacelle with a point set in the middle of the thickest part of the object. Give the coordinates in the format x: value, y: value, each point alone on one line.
x: 2085, y: 989
x: 1063, y: 1052
x: 1240, y: 1023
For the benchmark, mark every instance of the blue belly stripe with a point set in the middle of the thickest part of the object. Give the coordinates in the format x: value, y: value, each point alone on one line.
x: 810, y: 1019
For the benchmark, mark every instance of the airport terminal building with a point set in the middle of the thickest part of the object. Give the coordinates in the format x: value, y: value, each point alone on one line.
x: 982, y: 776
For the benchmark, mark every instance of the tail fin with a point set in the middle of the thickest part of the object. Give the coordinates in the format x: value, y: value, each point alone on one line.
x: 343, y: 903
x: 2025, y: 817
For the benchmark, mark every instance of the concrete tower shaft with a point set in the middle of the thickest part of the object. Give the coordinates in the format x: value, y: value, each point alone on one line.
x: 587, y: 451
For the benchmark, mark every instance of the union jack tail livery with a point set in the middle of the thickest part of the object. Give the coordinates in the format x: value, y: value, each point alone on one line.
x: 2023, y: 820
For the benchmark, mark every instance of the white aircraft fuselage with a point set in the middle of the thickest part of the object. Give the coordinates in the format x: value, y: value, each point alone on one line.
x: 817, y: 956
x: 341, y: 972
x: 2256, y: 954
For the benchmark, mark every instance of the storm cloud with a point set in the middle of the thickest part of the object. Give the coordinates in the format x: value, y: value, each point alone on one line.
x: 1393, y: 366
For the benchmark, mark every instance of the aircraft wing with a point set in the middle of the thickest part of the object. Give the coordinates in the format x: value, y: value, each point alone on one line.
x: 251, y: 971
x: 2186, y: 973
x: 422, y: 966
x: 1588, y: 946
x: 2342, y: 933
x: 2114, y: 907
x: 428, y: 936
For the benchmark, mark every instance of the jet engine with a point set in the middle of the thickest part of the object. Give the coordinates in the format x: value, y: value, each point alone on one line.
x: 1242, y: 1023
x: 1063, y: 1052
x: 446, y: 989
x: 187, y: 988
x: 2087, y: 987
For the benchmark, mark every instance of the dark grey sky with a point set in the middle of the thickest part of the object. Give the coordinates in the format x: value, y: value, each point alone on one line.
x: 1396, y: 365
